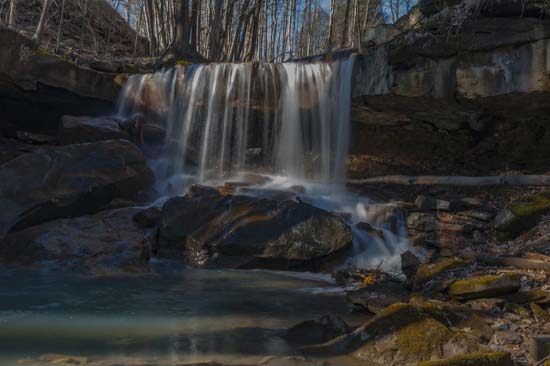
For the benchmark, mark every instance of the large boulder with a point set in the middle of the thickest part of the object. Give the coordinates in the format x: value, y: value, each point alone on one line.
x: 404, y: 334
x: 75, y: 130
x: 208, y: 229
x: 107, y: 243
x: 69, y: 181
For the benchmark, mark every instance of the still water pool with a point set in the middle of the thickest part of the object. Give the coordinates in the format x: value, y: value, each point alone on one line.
x: 170, y: 316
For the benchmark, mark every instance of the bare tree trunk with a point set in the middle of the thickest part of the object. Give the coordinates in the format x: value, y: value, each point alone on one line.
x: 215, y: 31
x: 331, y: 25
x: 60, y: 25
x: 345, y: 28
x: 11, y: 16
x: 149, y: 13
x: 42, y: 22
x: 181, y: 44
x: 253, y: 34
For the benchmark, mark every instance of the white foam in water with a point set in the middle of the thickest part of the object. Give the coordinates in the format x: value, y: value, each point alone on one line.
x: 287, y: 121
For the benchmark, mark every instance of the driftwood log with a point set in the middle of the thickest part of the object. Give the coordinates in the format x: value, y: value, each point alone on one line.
x: 520, y: 263
x: 462, y: 181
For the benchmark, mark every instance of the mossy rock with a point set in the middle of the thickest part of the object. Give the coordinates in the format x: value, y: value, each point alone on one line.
x: 184, y: 63
x: 521, y: 216
x: 457, y: 316
x: 121, y: 79
x: 539, y: 312
x: 536, y: 296
x: 427, y: 272
x: 474, y: 359
x: 405, y: 334
x: 485, y: 286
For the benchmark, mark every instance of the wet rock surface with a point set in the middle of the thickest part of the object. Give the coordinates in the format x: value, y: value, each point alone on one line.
x: 207, y: 229
x: 75, y: 130
x: 69, y: 181
x: 378, y: 296
x: 316, y: 331
x: 107, y: 243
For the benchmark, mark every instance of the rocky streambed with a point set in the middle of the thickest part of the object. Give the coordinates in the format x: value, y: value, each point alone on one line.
x: 97, y: 271
x: 89, y: 254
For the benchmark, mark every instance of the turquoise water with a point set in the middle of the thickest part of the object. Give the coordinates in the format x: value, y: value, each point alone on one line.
x: 171, y: 315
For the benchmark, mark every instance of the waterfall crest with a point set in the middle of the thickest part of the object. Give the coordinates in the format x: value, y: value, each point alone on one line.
x: 290, y: 119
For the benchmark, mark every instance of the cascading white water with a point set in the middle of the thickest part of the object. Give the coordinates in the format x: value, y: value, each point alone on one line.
x: 290, y: 119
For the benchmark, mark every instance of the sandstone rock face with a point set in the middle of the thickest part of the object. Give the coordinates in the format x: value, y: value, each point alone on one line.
x: 108, y: 243
x: 69, y: 181
x: 37, y: 88
x: 452, y: 231
x: 75, y: 130
x: 466, y: 104
x: 208, y: 229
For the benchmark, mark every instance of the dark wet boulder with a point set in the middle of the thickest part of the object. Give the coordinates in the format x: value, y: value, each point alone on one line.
x: 206, y: 228
x: 69, y: 181
x: 316, y: 331
x: 153, y: 134
x: 378, y: 296
x: 409, y: 264
x: 107, y: 243
x: 75, y: 130
x: 486, y: 286
x: 148, y: 218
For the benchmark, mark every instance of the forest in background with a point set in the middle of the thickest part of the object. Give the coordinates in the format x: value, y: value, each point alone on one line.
x: 197, y: 30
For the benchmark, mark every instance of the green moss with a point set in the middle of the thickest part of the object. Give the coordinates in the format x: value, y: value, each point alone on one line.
x: 120, y: 80
x: 540, y: 313
x: 45, y: 53
x: 525, y: 297
x: 422, y: 339
x: 485, y: 286
x: 414, y: 332
x: 535, y: 206
x: 474, y: 359
x: 427, y: 272
x: 183, y: 63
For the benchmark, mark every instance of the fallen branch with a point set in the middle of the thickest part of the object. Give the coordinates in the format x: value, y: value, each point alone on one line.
x: 508, y: 180
x: 520, y: 263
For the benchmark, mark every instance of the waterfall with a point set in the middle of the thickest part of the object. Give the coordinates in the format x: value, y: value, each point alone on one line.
x: 290, y: 119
